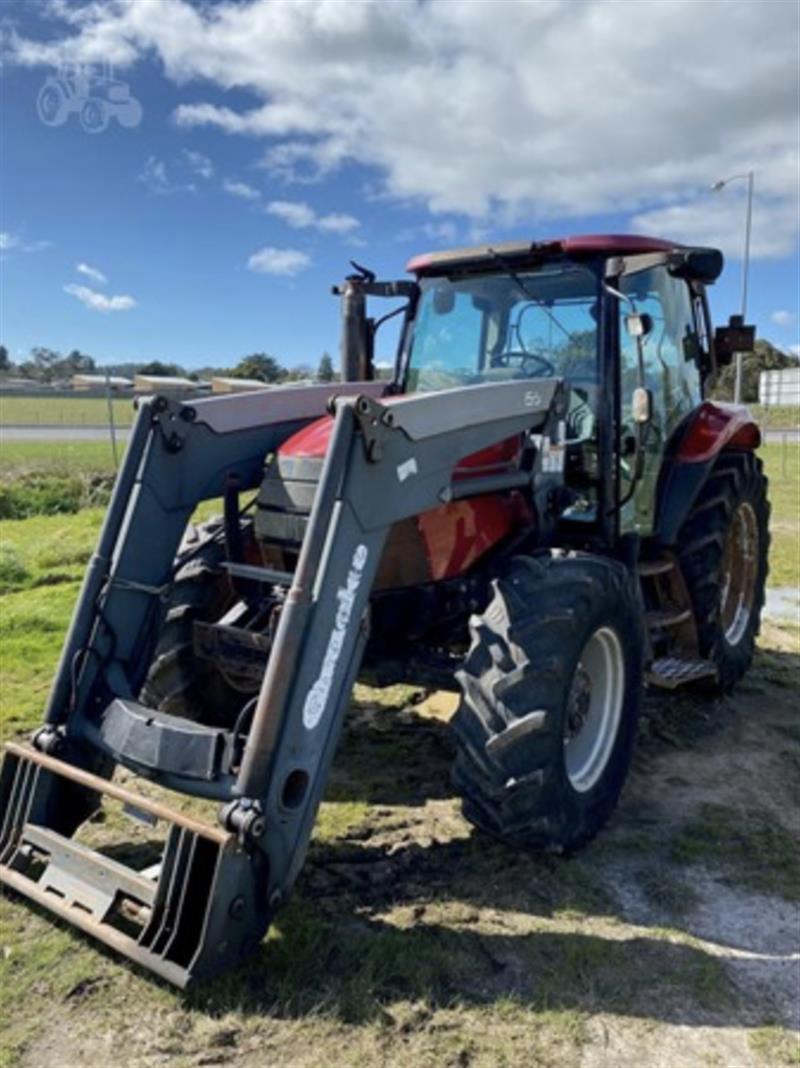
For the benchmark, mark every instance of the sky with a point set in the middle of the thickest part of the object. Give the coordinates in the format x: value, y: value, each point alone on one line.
x: 253, y: 148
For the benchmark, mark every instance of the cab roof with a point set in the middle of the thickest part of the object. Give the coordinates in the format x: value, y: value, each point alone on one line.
x: 577, y: 245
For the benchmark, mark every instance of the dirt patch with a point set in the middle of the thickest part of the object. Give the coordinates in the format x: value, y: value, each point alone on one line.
x: 672, y: 940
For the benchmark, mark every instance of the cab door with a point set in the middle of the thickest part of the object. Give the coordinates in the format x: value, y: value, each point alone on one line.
x: 671, y: 364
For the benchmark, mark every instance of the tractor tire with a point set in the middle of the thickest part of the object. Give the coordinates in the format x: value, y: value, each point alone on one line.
x: 52, y: 104
x: 177, y: 681
x: 551, y: 693
x: 723, y: 551
x: 94, y: 116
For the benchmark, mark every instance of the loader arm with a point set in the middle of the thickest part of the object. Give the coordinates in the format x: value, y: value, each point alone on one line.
x: 218, y: 889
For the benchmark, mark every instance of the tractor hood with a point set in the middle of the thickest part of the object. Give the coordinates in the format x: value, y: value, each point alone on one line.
x: 312, y: 443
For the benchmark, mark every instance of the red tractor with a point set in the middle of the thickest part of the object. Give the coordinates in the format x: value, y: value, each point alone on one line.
x: 539, y: 509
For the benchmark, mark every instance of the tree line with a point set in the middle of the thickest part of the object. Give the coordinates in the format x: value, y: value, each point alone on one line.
x: 47, y: 366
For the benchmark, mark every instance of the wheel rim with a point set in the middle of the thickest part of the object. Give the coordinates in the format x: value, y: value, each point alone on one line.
x: 594, y: 709
x: 739, y: 561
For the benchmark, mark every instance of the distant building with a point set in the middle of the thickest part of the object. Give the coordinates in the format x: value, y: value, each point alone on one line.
x: 779, y: 387
x: 118, y: 383
x: 166, y: 384
x: 222, y: 384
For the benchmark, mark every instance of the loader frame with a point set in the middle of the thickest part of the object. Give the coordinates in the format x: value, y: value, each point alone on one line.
x: 219, y: 886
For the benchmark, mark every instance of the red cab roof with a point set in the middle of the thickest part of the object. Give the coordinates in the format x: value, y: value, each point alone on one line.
x: 577, y: 245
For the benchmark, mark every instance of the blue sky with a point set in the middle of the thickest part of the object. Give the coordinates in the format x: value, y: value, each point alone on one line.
x: 278, y: 140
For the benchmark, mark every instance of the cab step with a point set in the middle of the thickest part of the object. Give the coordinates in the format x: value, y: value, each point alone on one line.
x: 667, y: 617
x: 651, y: 568
x: 670, y: 672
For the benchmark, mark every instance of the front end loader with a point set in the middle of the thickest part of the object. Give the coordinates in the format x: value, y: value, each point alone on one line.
x: 538, y: 509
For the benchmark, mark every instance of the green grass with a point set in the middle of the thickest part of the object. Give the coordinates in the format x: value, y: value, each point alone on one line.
x: 69, y: 411
x: 68, y: 457
x: 46, y: 478
x: 779, y: 1047
x: 470, y: 954
x: 782, y: 465
x: 779, y: 416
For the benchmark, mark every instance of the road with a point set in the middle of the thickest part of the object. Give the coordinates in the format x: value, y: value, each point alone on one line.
x: 59, y: 433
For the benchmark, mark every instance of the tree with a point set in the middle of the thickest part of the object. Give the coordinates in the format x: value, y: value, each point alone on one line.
x: 765, y: 357
x: 325, y: 371
x: 44, y: 363
x: 162, y: 370
x: 260, y: 366
x: 77, y: 363
x: 5, y: 362
x: 301, y: 372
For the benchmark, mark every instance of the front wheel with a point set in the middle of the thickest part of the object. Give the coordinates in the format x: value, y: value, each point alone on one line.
x: 551, y: 691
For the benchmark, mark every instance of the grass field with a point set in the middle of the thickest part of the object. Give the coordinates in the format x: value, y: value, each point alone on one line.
x: 38, y: 477
x: 19, y: 458
x: 67, y: 411
x: 411, y: 941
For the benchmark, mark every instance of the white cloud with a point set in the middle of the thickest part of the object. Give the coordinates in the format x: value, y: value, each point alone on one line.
x: 91, y: 272
x: 198, y: 163
x: 556, y: 109
x: 795, y: 350
x: 440, y: 233
x: 12, y: 242
x: 783, y: 317
x: 299, y: 215
x: 718, y: 220
x: 295, y: 213
x: 99, y: 301
x: 278, y: 261
x: 156, y: 177
x: 337, y: 222
x: 240, y: 189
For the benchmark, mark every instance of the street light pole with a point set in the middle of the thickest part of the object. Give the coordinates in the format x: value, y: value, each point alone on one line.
x: 749, y: 177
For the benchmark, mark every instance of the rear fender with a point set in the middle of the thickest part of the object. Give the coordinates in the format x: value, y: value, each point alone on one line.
x: 692, y: 454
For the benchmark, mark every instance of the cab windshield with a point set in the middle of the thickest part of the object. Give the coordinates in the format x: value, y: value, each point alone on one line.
x: 495, y: 328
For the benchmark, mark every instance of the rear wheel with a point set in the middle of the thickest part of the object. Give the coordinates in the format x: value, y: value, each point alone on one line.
x: 178, y: 682
x: 551, y: 690
x: 723, y: 548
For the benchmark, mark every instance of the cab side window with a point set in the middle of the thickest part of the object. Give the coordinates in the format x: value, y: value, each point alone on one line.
x: 671, y: 349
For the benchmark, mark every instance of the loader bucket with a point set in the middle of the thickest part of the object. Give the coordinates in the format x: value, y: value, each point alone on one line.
x: 190, y: 918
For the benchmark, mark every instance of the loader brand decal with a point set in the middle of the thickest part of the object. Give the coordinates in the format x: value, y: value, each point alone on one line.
x: 318, y: 695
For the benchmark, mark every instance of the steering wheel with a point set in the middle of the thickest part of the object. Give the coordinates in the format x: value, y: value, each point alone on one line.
x: 531, y: 363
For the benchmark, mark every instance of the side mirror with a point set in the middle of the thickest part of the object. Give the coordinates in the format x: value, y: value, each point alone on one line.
x: 733, y: 338
x: 642, y: 406
x: 639, y: 325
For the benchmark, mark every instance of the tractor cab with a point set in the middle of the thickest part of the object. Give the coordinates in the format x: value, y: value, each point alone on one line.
x: 622, y: 320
